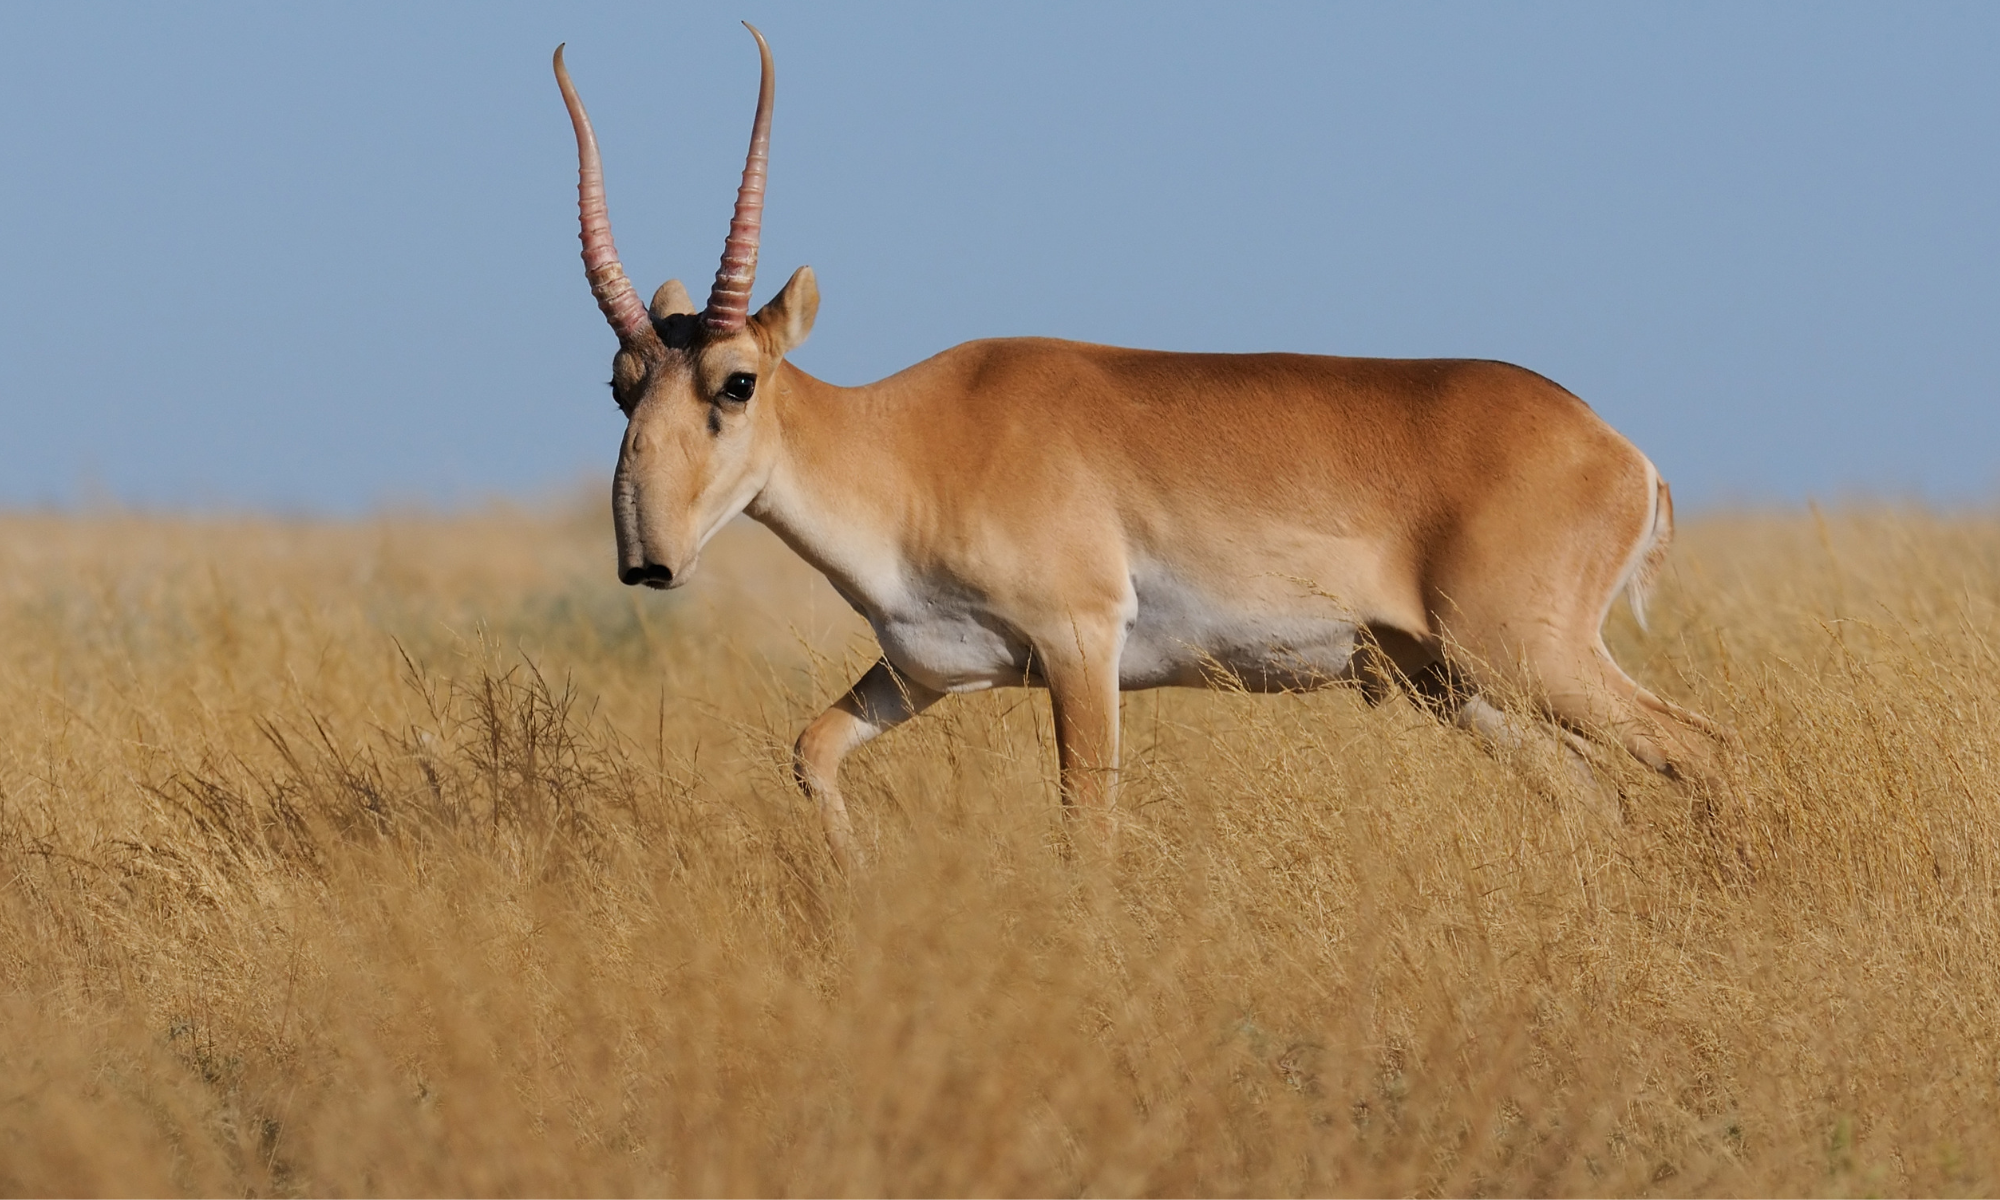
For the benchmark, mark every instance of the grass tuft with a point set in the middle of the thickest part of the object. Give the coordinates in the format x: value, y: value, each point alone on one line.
x: 416, y: 856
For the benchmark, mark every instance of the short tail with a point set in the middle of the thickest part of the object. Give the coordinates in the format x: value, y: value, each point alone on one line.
x: 1651, y: 553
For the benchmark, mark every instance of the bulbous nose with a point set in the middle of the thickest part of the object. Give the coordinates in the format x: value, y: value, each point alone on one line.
x: 651, y: 574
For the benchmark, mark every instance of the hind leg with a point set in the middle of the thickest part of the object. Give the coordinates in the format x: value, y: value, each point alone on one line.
x: 1548, y: 749
x: 1588, y: 692
x: 1390, y: 661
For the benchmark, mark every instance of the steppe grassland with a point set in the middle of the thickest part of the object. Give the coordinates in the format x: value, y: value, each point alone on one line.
x: 414, y: 855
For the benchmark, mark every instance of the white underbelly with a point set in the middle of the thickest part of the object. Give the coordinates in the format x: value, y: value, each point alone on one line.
x: 1265, y: 641
x: 1174, y: 636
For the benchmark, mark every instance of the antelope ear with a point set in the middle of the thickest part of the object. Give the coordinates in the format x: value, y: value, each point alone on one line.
x: 671, y: 300
x: 788, y: 318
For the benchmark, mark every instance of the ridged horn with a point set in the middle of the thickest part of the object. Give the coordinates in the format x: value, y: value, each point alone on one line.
x: 615, y: 294
x: 729, y: 301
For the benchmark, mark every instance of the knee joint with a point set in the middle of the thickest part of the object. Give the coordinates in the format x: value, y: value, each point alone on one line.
x: 816, y: 757
x: 805, y: 769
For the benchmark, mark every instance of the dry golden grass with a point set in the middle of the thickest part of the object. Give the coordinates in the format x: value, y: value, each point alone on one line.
x: 416, y: 856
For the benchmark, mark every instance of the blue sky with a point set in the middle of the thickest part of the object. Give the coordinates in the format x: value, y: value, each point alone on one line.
x: 318, y: 260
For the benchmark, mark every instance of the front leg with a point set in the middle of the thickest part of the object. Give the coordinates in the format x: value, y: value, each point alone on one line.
x: 877, y: 703
x: 1080, y: 666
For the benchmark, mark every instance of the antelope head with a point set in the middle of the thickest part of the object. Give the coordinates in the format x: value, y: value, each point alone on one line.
x: 696, y: 386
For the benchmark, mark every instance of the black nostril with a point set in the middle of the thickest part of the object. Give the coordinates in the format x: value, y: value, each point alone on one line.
x: 650, y: 574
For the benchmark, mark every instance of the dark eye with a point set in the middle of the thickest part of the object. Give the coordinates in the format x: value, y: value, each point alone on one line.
x: 739, y: 386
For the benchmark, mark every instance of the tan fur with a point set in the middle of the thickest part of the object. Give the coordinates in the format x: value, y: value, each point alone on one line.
x: 1012, y: 504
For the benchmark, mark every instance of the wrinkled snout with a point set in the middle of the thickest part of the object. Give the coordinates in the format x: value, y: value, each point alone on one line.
x: 642, y: 561
x: 636, y: 567
x: 646, y: 555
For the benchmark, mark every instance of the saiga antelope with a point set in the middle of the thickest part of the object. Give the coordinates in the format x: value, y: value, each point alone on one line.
x: 1088, y: 519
